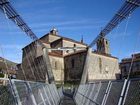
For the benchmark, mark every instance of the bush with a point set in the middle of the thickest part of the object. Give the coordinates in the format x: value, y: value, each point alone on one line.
x: 1, y: 75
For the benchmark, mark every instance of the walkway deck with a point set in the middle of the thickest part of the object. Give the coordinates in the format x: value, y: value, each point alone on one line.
x: 67, y: 101
x: 68, y: 98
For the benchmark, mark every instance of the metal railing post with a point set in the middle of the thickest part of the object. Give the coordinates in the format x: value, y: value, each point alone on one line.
x: 106, y: 93
x: 123, y: 92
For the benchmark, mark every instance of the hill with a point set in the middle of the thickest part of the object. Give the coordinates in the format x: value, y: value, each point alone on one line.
x: 9, y: 63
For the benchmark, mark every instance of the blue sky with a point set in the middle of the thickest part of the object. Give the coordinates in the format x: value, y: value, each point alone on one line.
x: 73, y: 19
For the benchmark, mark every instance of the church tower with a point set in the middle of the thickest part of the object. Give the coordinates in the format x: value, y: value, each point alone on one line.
x: 103, y: 46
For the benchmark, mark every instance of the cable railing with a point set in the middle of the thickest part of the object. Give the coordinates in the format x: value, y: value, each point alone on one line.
x: 127, y: 8
x: 29, y: 93
x: 109, y: 93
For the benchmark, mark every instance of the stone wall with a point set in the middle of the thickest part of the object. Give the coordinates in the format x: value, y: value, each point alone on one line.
x: 49, y: 38
x: 102, y: 67
x: 66, y: 65
x: 99, y: 67
x: 67, y: 43
x: 73, y: 66
x: 57, y: 64
x: 53, y: 38
x: 20, y: 72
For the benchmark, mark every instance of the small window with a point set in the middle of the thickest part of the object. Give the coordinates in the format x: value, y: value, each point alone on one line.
x: 137, y: 67
x: 67, y: 51
x: 74, y: 45
x: 106, y: 42
x: 72, y: 63
x: 125, y: 70
x: 100, y: 64
x: 55, y: 65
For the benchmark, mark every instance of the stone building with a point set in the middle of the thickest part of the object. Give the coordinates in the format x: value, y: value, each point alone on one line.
x: 67, y: 65
x: 101, y: 64
x: 7, y: 70
x: 132, y: 64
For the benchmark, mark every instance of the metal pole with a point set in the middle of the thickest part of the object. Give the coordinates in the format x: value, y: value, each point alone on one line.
x: 123, y: 92
x: 48, y: 66
x: 86, y: 67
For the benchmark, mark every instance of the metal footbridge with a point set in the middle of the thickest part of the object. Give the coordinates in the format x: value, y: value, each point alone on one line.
x: 105, y: 92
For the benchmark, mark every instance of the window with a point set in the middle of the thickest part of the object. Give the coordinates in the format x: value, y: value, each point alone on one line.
x: 67, y: 51
x: 55, y: 65
x: 74, y: 46
x: 137, y: 67
x: 72, y: 63
x: 124, y: 69
x: 106, y: 42
x: 100, y: 64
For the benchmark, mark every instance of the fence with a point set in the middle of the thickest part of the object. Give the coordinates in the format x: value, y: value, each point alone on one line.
x: 60, y: 92
x: 109, y: 93
x: 29, y: 93
x: 6, y: 98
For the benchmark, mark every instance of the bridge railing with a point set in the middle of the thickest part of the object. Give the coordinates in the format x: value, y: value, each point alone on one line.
x: 6, y: 96
x: 29, y: 93
x: 121, y: 92
x: 132, y: 96
x: 60, y: 92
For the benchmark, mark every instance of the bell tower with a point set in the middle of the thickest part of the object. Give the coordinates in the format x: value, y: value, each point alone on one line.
x: 54, y: 31
x: 103, y: 46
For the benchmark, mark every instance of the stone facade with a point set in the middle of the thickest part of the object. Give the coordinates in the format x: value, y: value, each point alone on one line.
x: 127, y: 63
x: 102, y: 67
x: 57, y: 63
x: 103, y: 46
x: 33, y: 67
x: 20, y: 71
x: 67, y: 65
x: 74, y: 64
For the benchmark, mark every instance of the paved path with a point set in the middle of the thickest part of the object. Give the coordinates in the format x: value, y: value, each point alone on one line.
x: 67, y: 101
